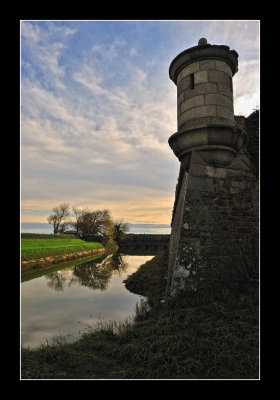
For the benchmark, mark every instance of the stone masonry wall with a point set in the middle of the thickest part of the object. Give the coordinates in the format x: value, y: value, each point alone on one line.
x: 177, y: 219
x: 204, y: 94
x: 214, y: 237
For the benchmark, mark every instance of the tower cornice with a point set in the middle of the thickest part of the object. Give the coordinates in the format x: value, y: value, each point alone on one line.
x: 203, y: 52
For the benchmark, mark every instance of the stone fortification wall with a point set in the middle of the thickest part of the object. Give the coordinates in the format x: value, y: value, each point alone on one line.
x: 214, y: 236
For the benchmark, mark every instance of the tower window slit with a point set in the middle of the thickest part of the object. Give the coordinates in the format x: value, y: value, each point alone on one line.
x: 192, y: 81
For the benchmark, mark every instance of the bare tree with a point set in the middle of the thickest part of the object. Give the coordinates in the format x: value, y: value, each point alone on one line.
x: 90, y: 223
x: 58, y: 218
x: 76, y: 223
x: 120, y: 229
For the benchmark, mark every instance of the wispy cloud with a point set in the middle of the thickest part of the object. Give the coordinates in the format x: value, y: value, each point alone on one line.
x: 242, y: 36
x: 43, y: 48
x: 91, y: 134
x: 97, y: 114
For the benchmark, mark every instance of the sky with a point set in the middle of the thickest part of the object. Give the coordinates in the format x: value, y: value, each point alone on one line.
x: 98, y: 107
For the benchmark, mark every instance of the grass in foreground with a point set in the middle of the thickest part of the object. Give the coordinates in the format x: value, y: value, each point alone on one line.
x: 184, y: 339
x: 214, y: 341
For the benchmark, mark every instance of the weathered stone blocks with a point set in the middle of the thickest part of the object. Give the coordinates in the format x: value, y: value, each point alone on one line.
x: 197, y: 112
x: 200, y: 184
x: 219, y: 77
x: 214, y: 65
x: 224, y: 67
x: 216, y: 203
x: 200, y: 77
x: 189, y: 69
x: 203, y: 122
x: 207, y: 64
x: 213, y: 230
x: 225, y: 112
x: 214, y: 172
x: 225, y: 90
x: 202, y: 84
x: 219, y: 99
x: 184, y: 84
x: 192, y: 102
x: 202, y: 88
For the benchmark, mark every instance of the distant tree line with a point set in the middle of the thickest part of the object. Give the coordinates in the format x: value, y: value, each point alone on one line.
x: 86, y: 223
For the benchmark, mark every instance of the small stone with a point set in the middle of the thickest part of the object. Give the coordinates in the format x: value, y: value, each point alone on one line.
x: 186, y: 226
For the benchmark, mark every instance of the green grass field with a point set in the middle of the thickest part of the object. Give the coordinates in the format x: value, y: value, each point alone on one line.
x: 38, y: 248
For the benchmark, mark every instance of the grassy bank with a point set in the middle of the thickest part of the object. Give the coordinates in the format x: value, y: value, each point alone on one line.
x: 43, y: 250
x: 37, y: 248
x: 33, y: 273
x: 185, y: 338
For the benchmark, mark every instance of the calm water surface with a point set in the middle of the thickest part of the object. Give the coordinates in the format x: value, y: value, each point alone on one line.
x: 67, y: 302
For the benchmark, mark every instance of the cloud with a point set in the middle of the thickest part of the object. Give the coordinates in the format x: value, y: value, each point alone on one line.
x: 147, y: 206
x: 113, y: 49
x: 43, y: 44
x: 87, y: 77
x: 242, y: 36
x: 30, y: 33
x: 133, y: 52
x: 247, y: 78
x: 96, y: 153
x: 95, y: 120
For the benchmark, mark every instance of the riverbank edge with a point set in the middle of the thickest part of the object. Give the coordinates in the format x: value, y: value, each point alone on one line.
x: 150, y: 279
x: 217, y: 338
x: 38, y: 272
x: 45, y: 262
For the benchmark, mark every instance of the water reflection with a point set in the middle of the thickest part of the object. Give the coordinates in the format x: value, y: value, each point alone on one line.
x: 92, y: 274
x: 56, y: 281
x: 66, y: 301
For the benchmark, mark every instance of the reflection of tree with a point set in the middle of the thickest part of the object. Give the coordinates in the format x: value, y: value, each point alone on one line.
x: 92, y: 274
x: 118, y: 263
x: 56, y: 281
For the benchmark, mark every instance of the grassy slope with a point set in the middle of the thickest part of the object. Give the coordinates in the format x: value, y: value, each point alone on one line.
x: 37, y: 248
x: 34, y: 273
x: 185, y: 339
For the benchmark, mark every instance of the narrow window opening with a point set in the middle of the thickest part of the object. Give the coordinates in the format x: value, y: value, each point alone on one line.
x: 192, y: 81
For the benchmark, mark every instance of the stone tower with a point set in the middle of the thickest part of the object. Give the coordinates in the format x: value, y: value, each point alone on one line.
x: 214, y: 232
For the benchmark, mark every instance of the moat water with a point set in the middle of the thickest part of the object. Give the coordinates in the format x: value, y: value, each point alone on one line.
x: 71, y: 301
